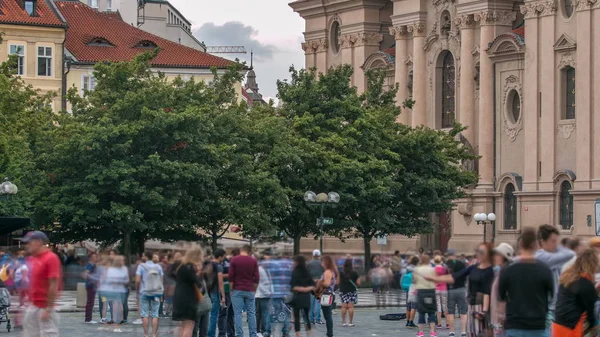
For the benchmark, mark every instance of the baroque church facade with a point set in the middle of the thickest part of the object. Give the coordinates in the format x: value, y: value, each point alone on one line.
x: 524, y: 77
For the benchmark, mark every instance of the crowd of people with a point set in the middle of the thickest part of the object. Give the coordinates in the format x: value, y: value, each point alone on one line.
x: 546, y: 287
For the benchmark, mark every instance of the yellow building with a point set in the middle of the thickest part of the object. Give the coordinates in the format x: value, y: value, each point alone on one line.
x: 34, y: 30
x: 95, y: 36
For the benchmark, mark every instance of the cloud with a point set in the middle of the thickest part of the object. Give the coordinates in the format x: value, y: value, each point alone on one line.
x: 271, y: 59
x: 235, y: 33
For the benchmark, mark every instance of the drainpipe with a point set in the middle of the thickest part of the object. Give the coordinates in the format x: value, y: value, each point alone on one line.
x: 63, y: 98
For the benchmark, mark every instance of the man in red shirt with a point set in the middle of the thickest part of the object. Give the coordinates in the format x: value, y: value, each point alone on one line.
x: 243, y: 280
x: 44, y: 282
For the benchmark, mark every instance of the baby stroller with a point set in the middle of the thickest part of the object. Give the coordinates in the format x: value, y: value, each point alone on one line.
x: 4, y: 306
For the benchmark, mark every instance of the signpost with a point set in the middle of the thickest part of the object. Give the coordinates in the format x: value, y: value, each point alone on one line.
x: 327, y: 221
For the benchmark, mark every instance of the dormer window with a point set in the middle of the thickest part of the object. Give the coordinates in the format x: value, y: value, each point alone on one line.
x: 29, y: 7
x: 147, y: 45
x: 100, y: 42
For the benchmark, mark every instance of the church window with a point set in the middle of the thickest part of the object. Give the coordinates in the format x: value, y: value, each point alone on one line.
x: 409, y: 84
x: 569, y: 85
x: 510, y: 207
x: 448, y: 91
x: 566, y: 205
x: 568, y: 6
x: 336, y: 35
x: 513, y: 106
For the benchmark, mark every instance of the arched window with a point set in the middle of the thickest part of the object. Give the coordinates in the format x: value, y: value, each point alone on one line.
x: 448, y: 90
x: 566, y: 205
x: 409, y: 84
x: 510, y: 207
x: 568, y: 8
x: 336, y: 36
x: 569, y: 78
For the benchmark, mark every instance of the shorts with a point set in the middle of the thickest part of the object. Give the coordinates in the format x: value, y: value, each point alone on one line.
x: 149, y: 307
x: 349, y: 297
x: 431, y: 318
x: 34, y: 326
x: 412, y: 305
x: 457, y: 299
x: 441, y: 300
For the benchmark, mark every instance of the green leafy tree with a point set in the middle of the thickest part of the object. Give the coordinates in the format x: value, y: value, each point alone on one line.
x: 143, y: 157
x: 390, y: 177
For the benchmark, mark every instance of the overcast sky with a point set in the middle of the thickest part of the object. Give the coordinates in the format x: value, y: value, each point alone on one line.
x: 268, y: 27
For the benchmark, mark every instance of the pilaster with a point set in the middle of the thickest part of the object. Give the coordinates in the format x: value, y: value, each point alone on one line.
x: 583, y: 94
x: 596, y: 93
x: 466, y: 24
x: 315, y: 52
x: 400, y: 33
x: 419, y: 111
x: 365, y: 45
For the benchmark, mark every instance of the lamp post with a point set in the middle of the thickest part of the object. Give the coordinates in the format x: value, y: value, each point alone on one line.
x: 321, y: 200
x: 482, y: 219
x: 7, y: 188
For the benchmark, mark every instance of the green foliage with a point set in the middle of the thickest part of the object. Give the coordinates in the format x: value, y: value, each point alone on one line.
x: 390, y: 177
x: 26, y: 119
x: 154, y: 158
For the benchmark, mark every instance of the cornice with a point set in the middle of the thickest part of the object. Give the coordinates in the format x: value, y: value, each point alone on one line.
x: 500, y: 18
x: 315, y: 46
x: 399, y: 32
x: 465, y: 21
x: 539, y: 9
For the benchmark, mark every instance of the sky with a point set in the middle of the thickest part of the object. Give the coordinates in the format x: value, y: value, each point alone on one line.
x: 269, y: 28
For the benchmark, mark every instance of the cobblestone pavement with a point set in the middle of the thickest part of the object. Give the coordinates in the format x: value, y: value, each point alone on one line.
x: 367, y: 325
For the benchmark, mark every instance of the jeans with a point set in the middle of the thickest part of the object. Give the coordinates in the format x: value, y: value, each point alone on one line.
x: 214, y: 314
x: 281, y: 310
x: 314, y: 314
x: 328, y: 320
x: 297, y: 319
x: 126, y: 304
x: 226, y: 325
x: 526, y: 333
x: 201, y: 326
x: 243, y: 300
x: 263, y: 315
x: 91, y: 298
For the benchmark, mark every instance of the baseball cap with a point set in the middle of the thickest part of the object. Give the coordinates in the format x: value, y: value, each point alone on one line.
x: 35, y: 235
x: 505, y: 250
x: 316, y: 252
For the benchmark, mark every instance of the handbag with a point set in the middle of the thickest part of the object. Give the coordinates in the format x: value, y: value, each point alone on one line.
x: 205, y: 304
x: 326, y: 299
x: 289, y: 298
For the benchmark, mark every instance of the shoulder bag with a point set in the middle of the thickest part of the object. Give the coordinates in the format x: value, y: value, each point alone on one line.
x: 204, y: 303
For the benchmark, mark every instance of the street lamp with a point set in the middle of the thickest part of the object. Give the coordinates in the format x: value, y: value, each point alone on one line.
x: 322, y: 200
x: 483, y: 218
x: 7, y: 188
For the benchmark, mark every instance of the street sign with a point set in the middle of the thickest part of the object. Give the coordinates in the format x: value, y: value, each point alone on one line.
x: 327, y: 221
x: 382, y: 240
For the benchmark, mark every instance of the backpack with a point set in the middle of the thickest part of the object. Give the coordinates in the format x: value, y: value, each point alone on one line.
x: 153, y: 285
x: 4, y: 273
x: 406, y: 281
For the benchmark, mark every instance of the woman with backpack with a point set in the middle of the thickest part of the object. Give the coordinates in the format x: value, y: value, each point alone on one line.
x: 349, y: 283
x: 189, y: 291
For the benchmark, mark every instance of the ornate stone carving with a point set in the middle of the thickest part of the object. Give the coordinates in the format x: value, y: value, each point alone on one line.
x: 465, y: 21
x: 315, y: 46
x: 565, y: 129
x: 467, y: 164
x: 348, y: 40
x: 585, y: 5
x: 409, y: 61
x: 512, y: 129
x: 501, y: 18
x: 416, y: 29
x: 432, y: 37
x: 466, y: 208
x: 399, y: 32
x: 475, y: 51
x: 368, y: 39
x: 568, y: 59
x: 542, y: 8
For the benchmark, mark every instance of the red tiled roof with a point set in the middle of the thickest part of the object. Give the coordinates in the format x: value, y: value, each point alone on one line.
x: 86, y: 24
x: 12, y: 13
x: 520, y: 31
x: 391, y: 51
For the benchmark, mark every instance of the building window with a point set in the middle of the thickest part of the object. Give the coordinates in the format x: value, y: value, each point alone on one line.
x: 510, y: 207
x: 88, y: 83
x: 19, y: 50
x: 448, y: 91
x: 108, y: 5
x: 93, y: 3
x: 44, y: 61
x: 513, y: 106
x: 30, y: 7
x: 409, y: 83
x: 566, y: 205
x: 569, y: 85
x: 336, y: 34
x: 568, y: 8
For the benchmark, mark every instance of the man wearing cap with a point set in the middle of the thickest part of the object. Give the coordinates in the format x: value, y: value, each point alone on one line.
x: 45, y: 279
x: 316, y: 271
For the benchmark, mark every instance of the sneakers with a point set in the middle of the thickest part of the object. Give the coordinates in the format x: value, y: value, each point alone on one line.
x: 412, y: 325
x: 137, y: 321
x: 351, y: 325
x: 117, y: 330
x: 463, y: 334
x: 439, y: 326
x: 103, y: 320
x: 91, y: 322
x: 420, y: 334
x: 433, y: 334
x: 258, y: 334
x: 344, y: 324
x: 451, y: 334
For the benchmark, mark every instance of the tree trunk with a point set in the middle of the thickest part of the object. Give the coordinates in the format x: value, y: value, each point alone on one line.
x: 213, y: 241
x: 367, y: 243
x: 297, y: 238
